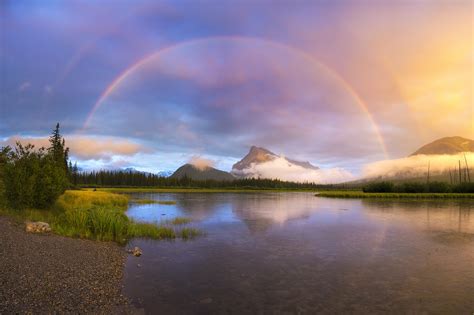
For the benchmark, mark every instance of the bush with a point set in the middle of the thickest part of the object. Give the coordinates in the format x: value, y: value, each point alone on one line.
x: 379, y: 187
x: 413, y: 188
x: 464, y: 188
x: 438, y: 187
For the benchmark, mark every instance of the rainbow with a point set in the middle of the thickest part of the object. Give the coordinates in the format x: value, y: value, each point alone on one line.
x: 143, y: 61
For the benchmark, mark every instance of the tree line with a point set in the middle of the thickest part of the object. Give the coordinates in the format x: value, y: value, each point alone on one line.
x: 419, y: 187
x: 120, y: 178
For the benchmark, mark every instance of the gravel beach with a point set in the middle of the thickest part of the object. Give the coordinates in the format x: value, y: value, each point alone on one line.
x: 54, y: 274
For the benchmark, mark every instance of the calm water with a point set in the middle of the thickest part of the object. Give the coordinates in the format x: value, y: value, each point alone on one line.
x: 296, y: 253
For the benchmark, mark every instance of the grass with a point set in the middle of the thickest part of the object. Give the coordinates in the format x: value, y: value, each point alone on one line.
x: 150, y: 230
x: 189, y: 233
x: 180, y: 221
x: 99, y: 215
x: 361, y: 194
x: 151, y: 201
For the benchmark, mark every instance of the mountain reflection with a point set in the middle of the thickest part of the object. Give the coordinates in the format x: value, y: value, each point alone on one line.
x: 260, y: 213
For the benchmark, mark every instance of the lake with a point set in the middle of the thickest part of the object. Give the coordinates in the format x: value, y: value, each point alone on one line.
x: 297, y: 253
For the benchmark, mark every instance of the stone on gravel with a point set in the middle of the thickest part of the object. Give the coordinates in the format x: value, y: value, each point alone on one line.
x: 37, y: 227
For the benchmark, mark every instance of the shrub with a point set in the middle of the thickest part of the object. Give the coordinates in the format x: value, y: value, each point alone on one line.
x: 464, y: 188
x: 413, y: 188
x: 438, y: 187
x: 379, y: 187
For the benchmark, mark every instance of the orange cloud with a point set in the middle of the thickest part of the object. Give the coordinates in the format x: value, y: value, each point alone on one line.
x: 86, y: 147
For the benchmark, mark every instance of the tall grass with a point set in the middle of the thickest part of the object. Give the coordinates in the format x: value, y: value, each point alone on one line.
x: 86, y: 199
x: 189, y: 233
x: 180, y: 221
x: 137, y: 229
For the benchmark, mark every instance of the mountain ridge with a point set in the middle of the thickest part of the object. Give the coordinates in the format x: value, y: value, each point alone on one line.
x: 446, y: 145
x: 205, y: 173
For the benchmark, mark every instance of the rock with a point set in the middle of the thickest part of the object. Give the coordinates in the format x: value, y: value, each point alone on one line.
x: 37, y: 227
x: 136, y: 251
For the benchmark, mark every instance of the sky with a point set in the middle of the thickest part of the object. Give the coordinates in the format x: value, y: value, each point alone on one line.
x: 154, y: 84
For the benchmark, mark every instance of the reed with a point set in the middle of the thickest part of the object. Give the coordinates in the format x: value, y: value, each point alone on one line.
x: 189, y: 233
x: 180, y: 221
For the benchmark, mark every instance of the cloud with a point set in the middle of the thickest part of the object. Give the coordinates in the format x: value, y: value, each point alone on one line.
x: 417, y: 165
x: 86, y: 147
x: 279, y: 168
x: 201, y: 163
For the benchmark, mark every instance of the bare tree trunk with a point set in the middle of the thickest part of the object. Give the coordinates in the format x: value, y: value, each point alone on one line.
x: 428, y: 175
x: 460, y: 178
x: 467, y: 169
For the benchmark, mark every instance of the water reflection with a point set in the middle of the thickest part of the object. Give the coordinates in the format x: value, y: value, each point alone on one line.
x: 452, y: 216
x: 257, y: 211
x: 295, y: 253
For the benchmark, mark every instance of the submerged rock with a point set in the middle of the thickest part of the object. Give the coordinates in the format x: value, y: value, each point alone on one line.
x: 37, y: 227
x: 136, y: 251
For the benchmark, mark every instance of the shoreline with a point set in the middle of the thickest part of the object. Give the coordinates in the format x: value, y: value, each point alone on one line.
x: 56, y: 274
x: 126, y: 190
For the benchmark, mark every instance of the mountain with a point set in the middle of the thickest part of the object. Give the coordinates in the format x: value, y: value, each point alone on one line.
x: 447, y: 145
x: 258, y: 156
x: 202, y: 173
x: 165, y: 173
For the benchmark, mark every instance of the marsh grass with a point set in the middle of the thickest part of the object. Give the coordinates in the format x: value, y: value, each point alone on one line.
x: 166, y: 202
x: 180, y: 221
x: 189, y: 233
x: 381, y: 195
x: 151, y: 201
x: 150, y: 230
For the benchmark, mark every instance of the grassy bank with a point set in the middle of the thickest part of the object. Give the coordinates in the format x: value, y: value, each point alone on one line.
x: 98, y: 215
x: 361, y: 194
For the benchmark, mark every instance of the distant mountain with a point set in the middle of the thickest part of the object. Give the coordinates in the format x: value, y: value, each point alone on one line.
x: 447, y: 145
x: 205, y: 173
x: 258, y: 156
x: 130, y: 170
x: 165, y: 173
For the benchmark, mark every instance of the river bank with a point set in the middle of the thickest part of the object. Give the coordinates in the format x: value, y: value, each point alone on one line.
x: 55, y: 274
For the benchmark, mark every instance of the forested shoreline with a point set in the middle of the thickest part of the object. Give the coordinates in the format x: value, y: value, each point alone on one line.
x: 105, y: 178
